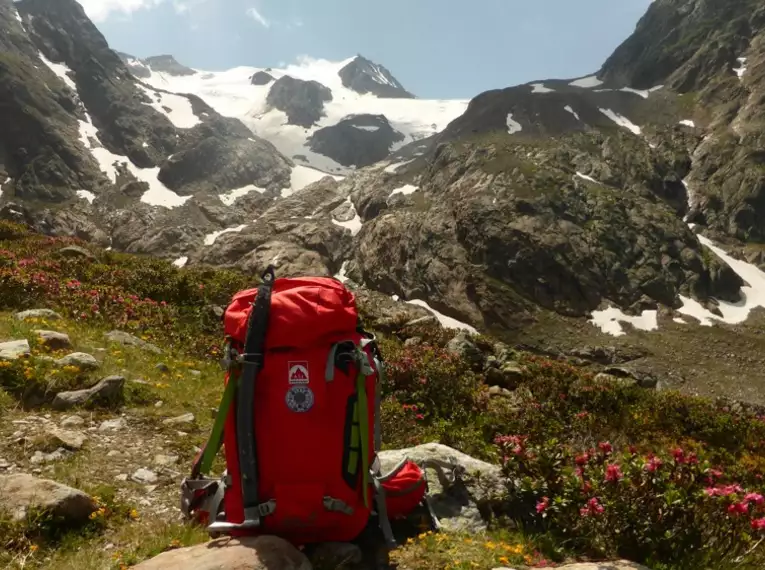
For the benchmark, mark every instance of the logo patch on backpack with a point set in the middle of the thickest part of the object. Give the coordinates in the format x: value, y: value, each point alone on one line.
x: 299, y: 399
x: 298, y: 372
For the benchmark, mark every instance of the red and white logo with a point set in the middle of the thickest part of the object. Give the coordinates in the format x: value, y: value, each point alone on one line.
x: 298, y: 373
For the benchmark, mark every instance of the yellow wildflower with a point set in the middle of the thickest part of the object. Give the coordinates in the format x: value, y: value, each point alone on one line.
x: 504, y: 560
x: 133, y: 514
x: 490, y: 545
x: 33, y: 548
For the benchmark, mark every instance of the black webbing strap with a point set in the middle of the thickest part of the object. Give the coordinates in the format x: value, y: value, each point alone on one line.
x: 252, y: 363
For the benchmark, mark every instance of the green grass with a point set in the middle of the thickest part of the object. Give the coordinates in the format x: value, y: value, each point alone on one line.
x: 431, y: 395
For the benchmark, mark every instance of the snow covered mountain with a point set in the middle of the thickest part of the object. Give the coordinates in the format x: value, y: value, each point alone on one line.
x: 300, y: 107
x: 552, y: 213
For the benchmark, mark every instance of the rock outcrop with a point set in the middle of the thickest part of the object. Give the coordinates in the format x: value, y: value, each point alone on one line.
x: 106, y: 390
x: 167, y: 64
x: 302, y: 101
x: 261, y: 78
x: 356, y: 141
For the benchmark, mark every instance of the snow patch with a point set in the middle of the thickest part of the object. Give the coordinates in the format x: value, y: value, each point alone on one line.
x: 355, y: 224
x: 609, y: 320
x: 210, y: 238
x: 233, y: 195
x: 406, y: 190
x: 742, y: 69
x: 689, y: 195
x: 181, y: 261
x: 571, y: 110
x: 752, y: 294
x: 586, y: 82
x: 60, y: 70
x: 7, y: 181
x: 371, y: 129
x: 180, y: 111
x: 621, y: 120
x: 588, y: 178
x: 513, y: 126
x: 446, y: 322
x: 540, y: 88
x: 688, y: 123
x: 303, y: 176
x: 157, y: 195
x: 85, y: 195
x: 342, y: 276
x: 644, y: 93
x: 392, y: 168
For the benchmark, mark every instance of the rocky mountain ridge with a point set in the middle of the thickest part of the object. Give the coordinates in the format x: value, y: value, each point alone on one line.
x: 558, y: 201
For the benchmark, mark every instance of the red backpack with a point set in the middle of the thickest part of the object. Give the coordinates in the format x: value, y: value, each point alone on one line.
x: 299, y: 421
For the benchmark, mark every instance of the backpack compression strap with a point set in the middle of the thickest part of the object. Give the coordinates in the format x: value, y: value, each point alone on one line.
x: 252, y: 363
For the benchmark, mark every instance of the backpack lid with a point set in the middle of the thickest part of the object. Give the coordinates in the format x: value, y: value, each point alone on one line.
x: 303, y: 311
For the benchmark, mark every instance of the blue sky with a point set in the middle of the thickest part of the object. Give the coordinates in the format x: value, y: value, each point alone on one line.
x: 436, y: 48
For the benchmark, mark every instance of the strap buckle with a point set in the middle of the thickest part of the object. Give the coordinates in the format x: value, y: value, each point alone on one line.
x: 338, y: 506
x: 267, y: 508
x: 249, y: 357
x: 230, y: 355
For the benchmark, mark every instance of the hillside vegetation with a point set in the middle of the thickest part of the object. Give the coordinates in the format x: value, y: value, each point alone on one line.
x: 596, y: 468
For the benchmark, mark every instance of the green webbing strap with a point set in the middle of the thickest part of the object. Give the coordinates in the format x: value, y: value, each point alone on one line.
x: 363, y: 409
x: 216, y: 435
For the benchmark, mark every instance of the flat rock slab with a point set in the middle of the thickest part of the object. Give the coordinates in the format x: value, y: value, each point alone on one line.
x: 187, y: 418
x: 21, y: 492
x: 81, y: 360
x: 14, y: 349
x: 113, y: 425
x: 127, y: 339
x: 250, y: 553
x: 107, y: 389
x: 53, y: 340
x: 68, y: 439
x: 38, y: 314
x: 618, y: 565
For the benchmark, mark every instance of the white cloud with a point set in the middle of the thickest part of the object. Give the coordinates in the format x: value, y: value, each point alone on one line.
x: 253, y: 13
x: 99, y: 10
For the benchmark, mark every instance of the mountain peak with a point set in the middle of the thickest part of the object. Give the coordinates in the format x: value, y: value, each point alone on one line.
x: 164, y: 63
x: 168, y: 64
x: 365, y: 76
